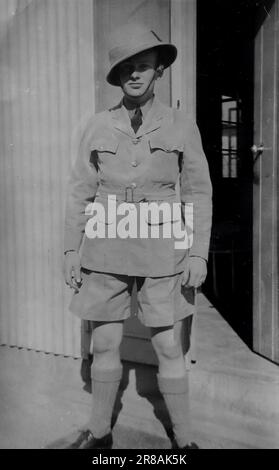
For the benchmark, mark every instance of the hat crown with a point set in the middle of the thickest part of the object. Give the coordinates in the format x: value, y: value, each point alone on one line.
x: 132, y: 39
x: 128, y: 39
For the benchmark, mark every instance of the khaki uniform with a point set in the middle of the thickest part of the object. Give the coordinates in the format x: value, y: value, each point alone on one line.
x: 145, y: 166
x: 136, y: 168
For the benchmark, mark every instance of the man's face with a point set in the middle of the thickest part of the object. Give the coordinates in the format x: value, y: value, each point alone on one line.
x: 138, y: 74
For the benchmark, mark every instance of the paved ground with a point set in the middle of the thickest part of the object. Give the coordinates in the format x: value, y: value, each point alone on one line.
x: 234, y: 396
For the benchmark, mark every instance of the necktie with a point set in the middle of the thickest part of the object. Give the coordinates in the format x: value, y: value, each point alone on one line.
x: 136, y: 120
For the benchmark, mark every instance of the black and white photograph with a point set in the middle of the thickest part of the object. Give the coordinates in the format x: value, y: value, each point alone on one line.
x: 139, y: 253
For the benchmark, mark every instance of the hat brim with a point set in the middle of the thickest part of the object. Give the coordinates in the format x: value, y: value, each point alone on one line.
x: 168, y: 54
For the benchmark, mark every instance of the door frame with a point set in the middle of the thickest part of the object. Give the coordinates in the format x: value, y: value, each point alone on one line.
x: 266, y: 172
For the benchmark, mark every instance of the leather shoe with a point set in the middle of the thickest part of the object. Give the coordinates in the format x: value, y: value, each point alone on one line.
x: 86, y: 440
x: 189, y: 445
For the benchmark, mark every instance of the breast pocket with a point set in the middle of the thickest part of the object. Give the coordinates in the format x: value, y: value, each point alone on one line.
x: 166, y: 158
x: 102, y: 151
x: 104, y: 148
x: 165, y: 146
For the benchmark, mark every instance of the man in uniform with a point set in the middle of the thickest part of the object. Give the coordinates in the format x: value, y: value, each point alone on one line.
x: 135, y: 153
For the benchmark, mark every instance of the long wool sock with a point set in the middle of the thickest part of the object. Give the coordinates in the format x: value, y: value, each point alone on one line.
x: 176, y: 394
x: 105, y: 384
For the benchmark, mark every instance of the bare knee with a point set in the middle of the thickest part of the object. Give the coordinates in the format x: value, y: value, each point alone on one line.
x: 104, y: 344
x: 107, y: 338
x: 166, y: 348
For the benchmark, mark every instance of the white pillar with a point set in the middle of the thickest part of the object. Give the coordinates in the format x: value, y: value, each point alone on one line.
x: 183, y: 35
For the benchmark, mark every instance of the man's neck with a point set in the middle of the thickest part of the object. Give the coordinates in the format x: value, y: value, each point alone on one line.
x: 143, y: 102
x: 145, y: 105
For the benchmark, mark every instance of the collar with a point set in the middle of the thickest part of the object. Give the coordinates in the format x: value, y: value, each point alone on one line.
x: 144, y: 108
x: 154, y: 117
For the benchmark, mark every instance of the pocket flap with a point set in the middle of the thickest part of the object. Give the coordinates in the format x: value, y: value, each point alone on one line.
x: 105, y: 145
x: 165, y: 144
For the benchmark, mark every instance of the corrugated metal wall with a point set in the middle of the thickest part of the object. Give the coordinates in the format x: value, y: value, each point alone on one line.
x: 46, y: 90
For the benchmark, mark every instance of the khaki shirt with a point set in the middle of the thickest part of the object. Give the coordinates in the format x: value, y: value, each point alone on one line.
x: 113, y: 160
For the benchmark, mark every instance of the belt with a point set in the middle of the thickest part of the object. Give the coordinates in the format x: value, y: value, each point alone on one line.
x: 131, y: 194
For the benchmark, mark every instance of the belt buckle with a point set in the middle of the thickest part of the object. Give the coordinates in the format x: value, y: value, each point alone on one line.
x: 132, y: 194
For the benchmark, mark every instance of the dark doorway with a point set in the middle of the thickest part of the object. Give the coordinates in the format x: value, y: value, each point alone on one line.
x: 225, y: 42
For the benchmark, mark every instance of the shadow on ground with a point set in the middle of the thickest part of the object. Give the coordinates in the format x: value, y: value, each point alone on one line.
x: 126, y: 437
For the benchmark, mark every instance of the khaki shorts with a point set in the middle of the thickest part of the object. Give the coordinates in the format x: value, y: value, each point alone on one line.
x: 157, y: 301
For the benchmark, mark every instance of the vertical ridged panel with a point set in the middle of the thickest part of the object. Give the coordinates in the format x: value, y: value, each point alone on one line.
x: 46, y: 90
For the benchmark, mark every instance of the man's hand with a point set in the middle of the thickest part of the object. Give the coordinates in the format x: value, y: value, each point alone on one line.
x: 72, y: 270
x: 195, y: 272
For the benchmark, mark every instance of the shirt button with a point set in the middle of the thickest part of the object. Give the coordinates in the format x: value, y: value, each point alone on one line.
x: 134, y: 163
x: 135, y: 141
x: 133, y: 185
